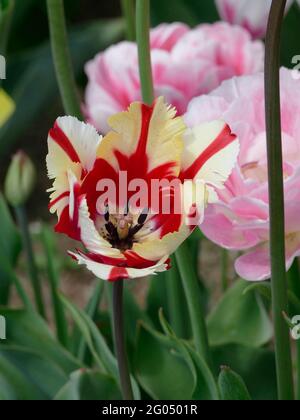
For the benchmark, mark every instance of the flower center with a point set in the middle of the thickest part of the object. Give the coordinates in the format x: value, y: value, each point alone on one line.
x: 121, y: 229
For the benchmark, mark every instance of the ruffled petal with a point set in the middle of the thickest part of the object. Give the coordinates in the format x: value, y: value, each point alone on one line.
x: 114, y: 273
x: 71, y: 141
x: 144, y: 139
x: 210, y: 153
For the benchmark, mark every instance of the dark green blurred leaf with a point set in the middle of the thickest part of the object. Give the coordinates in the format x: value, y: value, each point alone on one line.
x: 168, y: 369
x: 10, y: 240
x: 32, y: 82
x: 87, y: 385
x: 290, y: 40
x: 232, y: 387
x: 28, y: 330
x: 255, y: 366
x: 39, y: 377
x: 10, y: 245
x: 91, y: 309
x: 157, y: 298
x: 13, y: 385
x: 239, y: 318
x: 96, y: 343
x: 191, y: 12
x: 264, y: 288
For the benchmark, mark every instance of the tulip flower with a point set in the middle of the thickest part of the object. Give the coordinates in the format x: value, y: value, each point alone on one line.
x: 20, y: 180
x: 124, y: 238
x: 240, y: 219
x: 251, y: 15
x: 185, y: 63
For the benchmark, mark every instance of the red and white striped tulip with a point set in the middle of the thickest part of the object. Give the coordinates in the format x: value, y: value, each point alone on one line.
x: 148, y: 143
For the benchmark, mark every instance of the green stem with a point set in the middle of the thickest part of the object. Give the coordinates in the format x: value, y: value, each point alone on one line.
x: 224, y: 268
x: 192, y: 292
x: 120, y: 340
x: 6, y: 14
x: 62, y: 58
x: 53, y: 276
x: 128, y: 7
x: 32, y: 268
x: 143, y: 41
x: 174, y: 295
x: 189, y: 278
x: 276, y: 200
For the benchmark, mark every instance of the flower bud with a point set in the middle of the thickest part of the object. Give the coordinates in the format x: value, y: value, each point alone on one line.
x: 20, y: 179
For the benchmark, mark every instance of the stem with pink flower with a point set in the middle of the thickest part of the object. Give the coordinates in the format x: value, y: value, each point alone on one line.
x: 120, y: 345
x: 128, y: 9
x: 62, y: 58
x: 276, y: 199
x: 185, y: 266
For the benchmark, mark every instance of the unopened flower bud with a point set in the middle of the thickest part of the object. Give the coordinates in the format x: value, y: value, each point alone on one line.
x: 20, y: 179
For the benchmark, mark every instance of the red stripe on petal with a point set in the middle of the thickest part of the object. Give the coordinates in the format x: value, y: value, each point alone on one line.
x: 65, y: 225
x: 57, y: 135
x: 60, y: 197
x: 118, y: 273
x: 223, y: 140
x: 131, y: 260
x: 147, y: 112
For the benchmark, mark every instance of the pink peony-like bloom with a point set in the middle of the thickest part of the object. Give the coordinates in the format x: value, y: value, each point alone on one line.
x: 186, y: 63
x: 250, y: 14
x: 240, y: 219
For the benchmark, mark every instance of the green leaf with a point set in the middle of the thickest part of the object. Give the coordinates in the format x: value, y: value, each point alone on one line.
x: 10, y: 239
x: 239, y: 318
x: 28, y: 330
x: 40, y: 377
x: 13, y: 385
x: 53, y: 277
x: 157, y: 298
x: 264, y: 288
x: 256, y: 366
x: 29, y: 87
x: 191, y: 12
x: 91, y: 309
x: 168, y: 369
x: 10, y: 245
x: 232, y: 386
x: 96, y: 343
x: 88, y: 385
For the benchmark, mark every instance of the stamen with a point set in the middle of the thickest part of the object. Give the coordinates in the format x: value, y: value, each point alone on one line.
x: 143, y: 217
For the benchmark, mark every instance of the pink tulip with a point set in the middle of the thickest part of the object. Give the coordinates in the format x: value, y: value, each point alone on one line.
x: 251, y: 14
x: 240, y: 219
x: 186, y: 63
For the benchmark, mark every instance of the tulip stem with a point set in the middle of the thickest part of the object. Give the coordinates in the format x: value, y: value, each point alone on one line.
x: 192, y: 292
x: 224, y: 268
x: 128, y: 8
x: 120, y: 340
x: 143, y: 41
x: 32, y: 268
x: 187, y: 273
x: 276, y: 200
x: 62, y: 58
x: 5, y: 23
